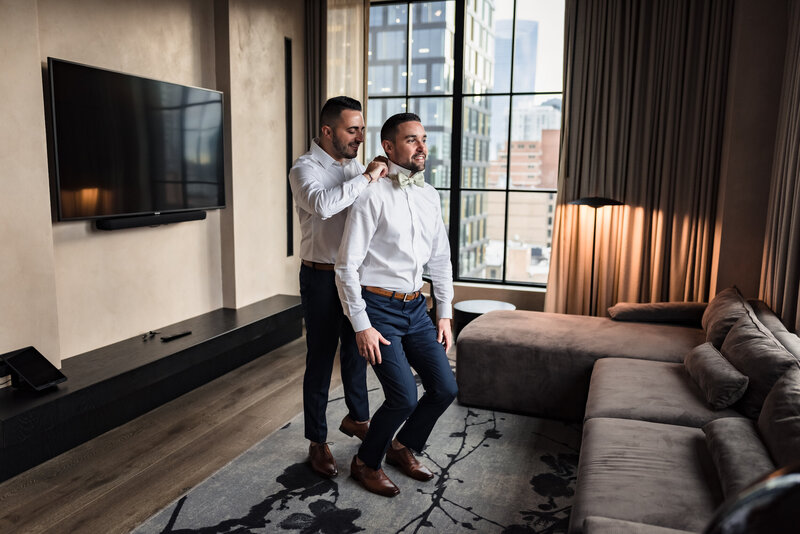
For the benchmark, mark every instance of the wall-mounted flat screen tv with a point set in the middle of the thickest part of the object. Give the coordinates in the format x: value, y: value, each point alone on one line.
x: 125, y: 145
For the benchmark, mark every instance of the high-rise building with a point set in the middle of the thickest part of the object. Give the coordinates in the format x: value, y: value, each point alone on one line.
x: 431, y: 73
x: 479, y: 75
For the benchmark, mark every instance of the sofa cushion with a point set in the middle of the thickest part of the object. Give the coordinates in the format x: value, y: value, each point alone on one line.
x: 645, y: 472
x: 779, y: 421
x: 540, y: 363
x: 721, y: 383
x: 722, y: 313
x: 755, y: 352
x: 605, y: 525
x: 738, y: 453
x: 689, y: 313
x: 660, y: 392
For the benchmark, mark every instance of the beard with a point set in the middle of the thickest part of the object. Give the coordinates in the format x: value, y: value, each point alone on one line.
x: 344, y: 150
x: 413, y: 166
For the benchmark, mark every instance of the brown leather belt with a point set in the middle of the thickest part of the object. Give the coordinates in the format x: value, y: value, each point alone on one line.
x: 405, y: 297
x: 318, y: 266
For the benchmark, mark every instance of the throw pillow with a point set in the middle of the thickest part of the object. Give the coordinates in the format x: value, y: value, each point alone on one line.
x: 690, y: 313
x: 721, y: 383
x: 722, y: 313
x: 755, y: 352
x: 779, y: 421
x: 768, y: 318
x: 738, y: 453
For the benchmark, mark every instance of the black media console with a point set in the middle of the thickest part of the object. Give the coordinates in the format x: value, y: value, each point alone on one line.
x: 111, y: 385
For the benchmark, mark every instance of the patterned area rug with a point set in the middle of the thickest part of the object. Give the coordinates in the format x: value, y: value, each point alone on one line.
x: 495, y: 473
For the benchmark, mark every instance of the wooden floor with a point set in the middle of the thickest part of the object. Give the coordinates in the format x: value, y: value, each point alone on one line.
x: 114, y: 482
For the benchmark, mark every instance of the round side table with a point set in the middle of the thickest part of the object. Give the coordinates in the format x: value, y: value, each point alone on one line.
x: 467, y: 310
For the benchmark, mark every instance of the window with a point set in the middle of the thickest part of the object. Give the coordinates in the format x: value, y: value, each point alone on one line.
x: 485, y: 77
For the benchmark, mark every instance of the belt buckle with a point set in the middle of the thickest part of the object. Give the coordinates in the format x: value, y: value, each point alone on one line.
x: 406, y: 299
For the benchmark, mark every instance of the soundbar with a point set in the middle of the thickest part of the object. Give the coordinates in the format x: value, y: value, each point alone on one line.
x: 118, y: 223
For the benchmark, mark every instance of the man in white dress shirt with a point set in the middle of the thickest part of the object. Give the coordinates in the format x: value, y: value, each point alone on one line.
x: 393, y: 230
x: 325, y: 181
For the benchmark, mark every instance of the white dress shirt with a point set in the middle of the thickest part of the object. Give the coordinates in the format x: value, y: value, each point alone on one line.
x: 391, y: 233
x: 323, y: 188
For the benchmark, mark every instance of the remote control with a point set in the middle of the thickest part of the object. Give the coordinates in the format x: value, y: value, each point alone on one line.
x: 175, y: 336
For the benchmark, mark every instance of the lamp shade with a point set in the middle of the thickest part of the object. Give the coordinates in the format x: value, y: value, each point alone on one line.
x: 595, y: 202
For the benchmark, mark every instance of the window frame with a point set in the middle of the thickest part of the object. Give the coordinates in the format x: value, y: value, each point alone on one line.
x: 458, y: 97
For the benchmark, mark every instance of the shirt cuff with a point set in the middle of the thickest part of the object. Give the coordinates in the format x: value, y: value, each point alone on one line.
x: 444, y: 310
x: 360, y: 321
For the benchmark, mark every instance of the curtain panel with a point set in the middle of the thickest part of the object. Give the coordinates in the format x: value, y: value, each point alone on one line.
x: 336, y: 44
x: 346, y: 54
x: 780, y: 269
x: 347, y: 44
x: 645, y: 91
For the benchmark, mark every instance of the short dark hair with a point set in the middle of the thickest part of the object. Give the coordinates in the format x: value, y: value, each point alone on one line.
x: 389, y: 130
x: 333, y: 108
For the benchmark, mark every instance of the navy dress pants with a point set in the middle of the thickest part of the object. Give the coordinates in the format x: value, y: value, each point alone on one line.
x: 326, y: 325
x: 413, y: 344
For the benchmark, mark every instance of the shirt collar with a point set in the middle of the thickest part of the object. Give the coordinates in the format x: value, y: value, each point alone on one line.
x: 394, y: 168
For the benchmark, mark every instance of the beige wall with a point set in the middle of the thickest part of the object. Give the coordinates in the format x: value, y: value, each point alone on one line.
x: 27, y: 271
x: 257, y: 224
x: 67, y: 288
x: 757, y: 55
x: 114, y: 285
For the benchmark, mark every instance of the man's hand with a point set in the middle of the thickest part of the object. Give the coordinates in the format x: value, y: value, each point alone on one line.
x: 369, y: 344
x: 444, y: 333
x: 377, y: 168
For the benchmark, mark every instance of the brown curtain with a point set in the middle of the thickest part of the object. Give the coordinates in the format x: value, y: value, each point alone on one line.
x: 336, y: 41
x: 315, y: 64
x: 347, y: 27
x: 645, y: 91
x: 780, y: 270
x: 346, y: 46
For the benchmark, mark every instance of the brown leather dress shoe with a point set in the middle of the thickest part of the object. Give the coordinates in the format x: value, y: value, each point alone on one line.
x: 321, y: 459
x: 352, y: 427
x: 372, y: 480
x: 405, y: 460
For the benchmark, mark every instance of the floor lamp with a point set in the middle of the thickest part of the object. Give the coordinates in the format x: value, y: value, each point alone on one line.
x: 595, y: 203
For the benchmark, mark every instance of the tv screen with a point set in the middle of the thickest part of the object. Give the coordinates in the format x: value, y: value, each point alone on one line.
x: 126, y: 145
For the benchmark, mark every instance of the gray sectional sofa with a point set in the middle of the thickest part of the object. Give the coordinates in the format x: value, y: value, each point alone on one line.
x: 682, y: 404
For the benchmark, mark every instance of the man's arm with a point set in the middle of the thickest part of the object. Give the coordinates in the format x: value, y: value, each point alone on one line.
x: 441, y: 273
x: 358, y: 232
x: 312, y: 196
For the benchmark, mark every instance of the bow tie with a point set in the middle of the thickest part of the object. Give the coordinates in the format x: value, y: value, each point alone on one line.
x: 418, y: 179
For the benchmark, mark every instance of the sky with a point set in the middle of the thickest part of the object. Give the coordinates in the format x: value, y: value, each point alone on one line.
x: 549, y: 58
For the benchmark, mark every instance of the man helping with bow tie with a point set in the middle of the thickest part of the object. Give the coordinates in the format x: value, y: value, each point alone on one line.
x: 325, y: 181
x: 393, y: 230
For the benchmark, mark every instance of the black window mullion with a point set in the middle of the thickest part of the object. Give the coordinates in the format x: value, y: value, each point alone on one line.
x: 526, y: 93
x: 508, y: 144
x: 409, y: 9
x: 455, y: 140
